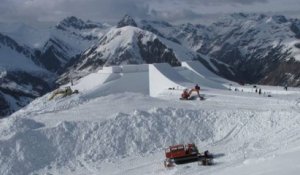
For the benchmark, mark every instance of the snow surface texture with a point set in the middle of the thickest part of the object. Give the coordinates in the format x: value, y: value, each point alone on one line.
x: 79, y: 139
x: 104, y: 130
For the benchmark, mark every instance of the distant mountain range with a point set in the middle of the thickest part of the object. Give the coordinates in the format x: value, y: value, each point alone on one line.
x: 248, y: 48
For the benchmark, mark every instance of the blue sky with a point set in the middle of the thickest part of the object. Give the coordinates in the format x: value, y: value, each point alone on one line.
x: 34, y: 11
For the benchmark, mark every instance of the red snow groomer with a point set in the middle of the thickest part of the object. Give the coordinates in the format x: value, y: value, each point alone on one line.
x: 180, y: 154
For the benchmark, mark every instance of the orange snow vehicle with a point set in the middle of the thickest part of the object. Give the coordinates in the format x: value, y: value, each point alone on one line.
x: 181, y: 154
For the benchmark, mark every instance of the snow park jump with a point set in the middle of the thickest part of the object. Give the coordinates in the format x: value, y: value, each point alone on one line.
x: 125, y: 117
x: 163, y: 77
x: 153, y: 79
x: 149, y: 96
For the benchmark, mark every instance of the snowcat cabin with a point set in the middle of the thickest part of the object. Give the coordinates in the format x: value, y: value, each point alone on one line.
x: 192, y: 149
x: 179, y: 151
x: 175, y: 151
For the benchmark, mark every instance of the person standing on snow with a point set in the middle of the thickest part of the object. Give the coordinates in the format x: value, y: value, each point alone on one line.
x: 197, y: 89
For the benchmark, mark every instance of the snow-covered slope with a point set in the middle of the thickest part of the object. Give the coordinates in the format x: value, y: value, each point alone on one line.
x: 88, y: 134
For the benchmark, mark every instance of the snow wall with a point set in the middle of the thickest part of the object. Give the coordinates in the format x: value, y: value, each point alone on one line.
x: 135, y: 68
x: 161, y: 78
x: 124, y: 69
x: 110, y: 69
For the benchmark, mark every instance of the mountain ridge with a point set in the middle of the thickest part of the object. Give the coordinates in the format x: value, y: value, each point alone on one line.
x: 248, y: 48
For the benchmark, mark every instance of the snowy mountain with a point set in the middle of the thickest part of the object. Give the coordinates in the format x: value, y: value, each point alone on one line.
x: 125, y: 116
x: 68, y: 39
x: 191, y: 37
x: 97, y: 130
x: 22, y: 78
x: 233, y: 44
x: 25, y: 69
x: 249, y: 48
x: 24, y: 34
x: 259, y: 48
x: 128, y: 44
x: 126, y: 21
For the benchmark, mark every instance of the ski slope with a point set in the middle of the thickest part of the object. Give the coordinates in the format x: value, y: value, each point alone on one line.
x: 114, y: 127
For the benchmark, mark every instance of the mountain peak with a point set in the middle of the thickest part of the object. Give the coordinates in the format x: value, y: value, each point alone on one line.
x: 253, y: 16
x: 279, y: 19
x: 72, y: 21
x: 126, y: 21
x: 77, y: 23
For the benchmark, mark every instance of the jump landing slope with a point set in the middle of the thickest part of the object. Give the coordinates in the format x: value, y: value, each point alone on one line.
x: 203, y: 72
x: 163, y: 77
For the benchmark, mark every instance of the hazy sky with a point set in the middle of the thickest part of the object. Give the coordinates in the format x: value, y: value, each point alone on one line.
x: 32, y: 11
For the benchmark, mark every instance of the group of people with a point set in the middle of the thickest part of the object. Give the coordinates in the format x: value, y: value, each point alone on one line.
x: 186, y: 94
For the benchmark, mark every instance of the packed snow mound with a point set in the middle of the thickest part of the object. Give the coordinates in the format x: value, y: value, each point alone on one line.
x: 16, y: 124
x: 76, y: 143
x: 95, y: 79
x: 43, y: 105
x: 90, y: 87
